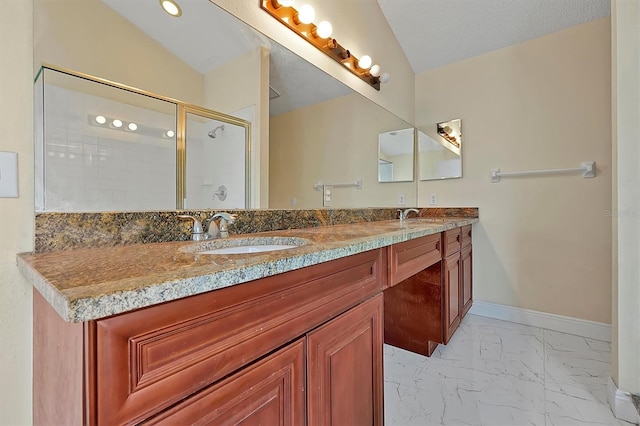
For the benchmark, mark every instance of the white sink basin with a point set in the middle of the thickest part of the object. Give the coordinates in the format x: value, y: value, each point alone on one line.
x: 245, y: 245
x: 249, y: 249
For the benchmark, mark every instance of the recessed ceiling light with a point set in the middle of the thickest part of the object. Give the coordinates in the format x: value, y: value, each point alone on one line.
x: 171, y: 7
x: 133, y: 127
x: 100, y: 119
x: 116, y: 123
x: 170, y: 133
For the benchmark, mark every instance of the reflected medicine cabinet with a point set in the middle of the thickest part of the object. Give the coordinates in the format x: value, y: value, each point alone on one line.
x: 103, y: 146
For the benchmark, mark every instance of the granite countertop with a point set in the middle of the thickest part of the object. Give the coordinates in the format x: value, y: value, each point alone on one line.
x: 93, y: 283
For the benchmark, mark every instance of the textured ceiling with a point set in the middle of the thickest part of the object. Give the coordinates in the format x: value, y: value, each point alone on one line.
x: 433, y: 33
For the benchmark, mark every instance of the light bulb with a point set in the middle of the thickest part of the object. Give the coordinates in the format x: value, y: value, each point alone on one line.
x: 116, y: 123
x: 171, y: 7
x: 324, y: 29
x: 375, y: 70
x: 306, y: 14
x: 100, y: 119
x: 384, y: 78
x: 286, y: 3
x: 170, y: 133
x: 133, y: 127
x: 365, y: 62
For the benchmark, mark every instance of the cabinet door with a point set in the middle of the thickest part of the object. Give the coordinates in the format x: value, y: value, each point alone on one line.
x: 269, y: 392
x: 451, y: 295
x: 345, y: 381
x: 466, y: 287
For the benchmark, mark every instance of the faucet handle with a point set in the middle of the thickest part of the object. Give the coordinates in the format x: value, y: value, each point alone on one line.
x: 197, y: 233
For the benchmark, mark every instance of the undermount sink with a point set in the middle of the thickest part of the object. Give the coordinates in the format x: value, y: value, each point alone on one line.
x: 245, y: 245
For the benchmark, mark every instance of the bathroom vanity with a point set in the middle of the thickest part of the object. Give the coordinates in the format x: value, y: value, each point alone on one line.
x: 289, y: 337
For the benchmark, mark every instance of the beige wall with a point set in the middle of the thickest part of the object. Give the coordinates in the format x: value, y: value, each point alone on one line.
x: 16, y: 214
x: 88, y: 36
x: 626, y: 198
x: 333, y: 150
x: 360, y: 26
x: 543, y: 243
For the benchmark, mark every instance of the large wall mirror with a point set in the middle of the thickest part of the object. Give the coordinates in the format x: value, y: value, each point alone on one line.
x: 440, y: 150
x: 306, y: 127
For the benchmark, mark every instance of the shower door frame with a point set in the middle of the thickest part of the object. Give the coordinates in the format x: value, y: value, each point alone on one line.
x: 181, y: 144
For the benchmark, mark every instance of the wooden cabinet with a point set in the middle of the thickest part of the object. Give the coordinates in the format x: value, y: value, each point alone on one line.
x: 182, y: 355
x: 345, y: 368
x: 426, y: 308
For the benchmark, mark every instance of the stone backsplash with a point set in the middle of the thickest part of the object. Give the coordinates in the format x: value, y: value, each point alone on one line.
x: 67, y: 231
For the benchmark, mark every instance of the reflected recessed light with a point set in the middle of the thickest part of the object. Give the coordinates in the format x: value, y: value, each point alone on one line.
x: 116, y: 123
x: 133, y: 127
x: 170, y: 133
x: 171, y: 7
x: 100, y: 119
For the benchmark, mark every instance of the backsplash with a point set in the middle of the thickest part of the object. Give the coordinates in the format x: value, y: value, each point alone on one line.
x: 66, y: 231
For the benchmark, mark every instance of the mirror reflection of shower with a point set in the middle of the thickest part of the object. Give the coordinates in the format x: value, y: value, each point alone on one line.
x: 212, y: 134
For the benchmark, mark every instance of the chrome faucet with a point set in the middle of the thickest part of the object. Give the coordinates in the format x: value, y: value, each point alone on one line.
x: 405, y: 213
x: 198, y: 232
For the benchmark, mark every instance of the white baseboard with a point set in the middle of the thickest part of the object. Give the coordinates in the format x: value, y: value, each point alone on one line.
x: 621, y: 404
x: 579, y: 327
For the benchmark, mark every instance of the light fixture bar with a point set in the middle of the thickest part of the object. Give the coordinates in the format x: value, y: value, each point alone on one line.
x: 289, y: 17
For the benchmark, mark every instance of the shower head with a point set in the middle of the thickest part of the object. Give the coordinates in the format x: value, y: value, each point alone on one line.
x: 212, y: 134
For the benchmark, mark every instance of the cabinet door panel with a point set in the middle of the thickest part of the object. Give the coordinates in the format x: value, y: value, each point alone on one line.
x: 270, y: 392
x: 345, y: 383
x: 451, y: 295
x: 466, y: 270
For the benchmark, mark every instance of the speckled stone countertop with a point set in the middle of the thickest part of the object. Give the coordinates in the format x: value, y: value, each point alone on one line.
x: 92, y: 283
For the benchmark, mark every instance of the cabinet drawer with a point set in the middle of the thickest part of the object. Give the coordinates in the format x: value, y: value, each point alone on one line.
x: 149, y: 359
x: 466, y: 235
x: 451, y: 240
x: 410, y: 257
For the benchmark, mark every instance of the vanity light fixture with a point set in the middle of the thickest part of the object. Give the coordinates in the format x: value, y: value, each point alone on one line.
x: 301, y: 22
x: 171, y: 7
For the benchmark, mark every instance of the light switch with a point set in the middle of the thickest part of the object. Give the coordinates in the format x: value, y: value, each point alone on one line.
x: 8, y: 174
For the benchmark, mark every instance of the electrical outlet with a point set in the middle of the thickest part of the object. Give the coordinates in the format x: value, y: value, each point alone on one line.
x: 326, y: 196
x: 401, y: 200
x: 8, y: 174
x: 433, y: 199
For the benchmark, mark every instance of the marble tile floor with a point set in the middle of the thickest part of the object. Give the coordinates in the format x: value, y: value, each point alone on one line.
x: 496, y: 372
